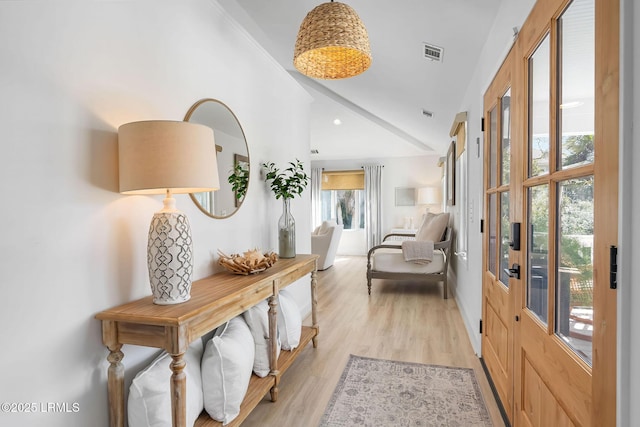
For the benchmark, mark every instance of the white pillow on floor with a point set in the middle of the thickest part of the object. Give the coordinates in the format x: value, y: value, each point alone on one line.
x: 289, y: 321
x: 257, y: 318
x: 226, y: 369
x: 149, y: 403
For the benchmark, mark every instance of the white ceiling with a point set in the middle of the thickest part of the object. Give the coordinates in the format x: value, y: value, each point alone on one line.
x: 381, y: 109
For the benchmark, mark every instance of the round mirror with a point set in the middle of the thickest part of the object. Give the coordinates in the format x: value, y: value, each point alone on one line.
x: 232, y: 157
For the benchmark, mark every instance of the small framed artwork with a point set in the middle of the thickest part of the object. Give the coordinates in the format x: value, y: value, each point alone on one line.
x: 405, y: 196
x: 451, y: 174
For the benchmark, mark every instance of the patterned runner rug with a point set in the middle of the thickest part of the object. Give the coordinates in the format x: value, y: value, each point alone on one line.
x: 376, y: 392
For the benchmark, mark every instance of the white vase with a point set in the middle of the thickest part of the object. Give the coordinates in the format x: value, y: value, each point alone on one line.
x: 170, y: 257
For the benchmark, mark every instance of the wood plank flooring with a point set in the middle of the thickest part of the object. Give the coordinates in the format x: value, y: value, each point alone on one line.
x: 401, y: 320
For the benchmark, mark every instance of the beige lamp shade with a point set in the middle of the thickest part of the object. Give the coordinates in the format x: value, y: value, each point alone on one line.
x: 428, y: 196
x: 156, y: 156
x: 332, y: 43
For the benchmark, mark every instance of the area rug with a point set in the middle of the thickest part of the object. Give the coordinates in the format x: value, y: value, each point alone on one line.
x: 376, y: 392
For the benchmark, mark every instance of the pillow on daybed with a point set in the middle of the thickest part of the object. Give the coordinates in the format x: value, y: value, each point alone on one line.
x: 150, y: 392
x: 289, y: 321
x: 433, y: 227
x: 257, y: 318
x: 226, y: 369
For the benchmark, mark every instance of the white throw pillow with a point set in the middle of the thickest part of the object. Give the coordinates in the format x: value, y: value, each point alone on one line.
x: 289, y: 321
x: 150, y: 392
x: 326, y: 226
x: 226, y: 370
x: 433, y: 228
x: 257, y: 318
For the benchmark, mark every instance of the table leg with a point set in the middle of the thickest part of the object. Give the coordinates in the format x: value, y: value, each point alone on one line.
x: 178, y: 391
x: 273, y: 345
x: 115, y: 386
x: 314, y: 303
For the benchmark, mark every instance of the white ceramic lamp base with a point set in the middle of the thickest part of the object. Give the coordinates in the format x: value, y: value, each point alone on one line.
x: 170, y: 255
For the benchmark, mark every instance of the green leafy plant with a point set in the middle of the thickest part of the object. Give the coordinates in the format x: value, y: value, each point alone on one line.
x: 288, y: 183
x: 239, y: 180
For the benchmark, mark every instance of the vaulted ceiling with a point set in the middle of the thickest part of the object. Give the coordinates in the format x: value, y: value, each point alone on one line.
x: 381, y: 111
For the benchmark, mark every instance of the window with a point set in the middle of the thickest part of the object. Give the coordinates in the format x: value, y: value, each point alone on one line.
x: 346, y: 207
x: 462, y: 191
x: 343, y: 198
x: 459, y: 131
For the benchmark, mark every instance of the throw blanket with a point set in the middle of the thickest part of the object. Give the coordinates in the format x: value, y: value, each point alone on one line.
x: 420, y: 252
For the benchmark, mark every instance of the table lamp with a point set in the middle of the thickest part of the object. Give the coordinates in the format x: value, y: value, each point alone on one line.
x: 167, y: 157
x: 428, y: 196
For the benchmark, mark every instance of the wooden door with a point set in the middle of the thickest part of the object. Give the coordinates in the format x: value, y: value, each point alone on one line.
x: 497, y: 294
x: 563, y: 189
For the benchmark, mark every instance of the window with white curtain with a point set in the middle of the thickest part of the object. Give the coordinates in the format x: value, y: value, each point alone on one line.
x: 343, y: 198
x: 463, y: 208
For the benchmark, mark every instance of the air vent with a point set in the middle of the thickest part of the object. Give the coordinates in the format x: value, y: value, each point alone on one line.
x: 432, y: 52
x: 314, y: 151
x: 427, y: 113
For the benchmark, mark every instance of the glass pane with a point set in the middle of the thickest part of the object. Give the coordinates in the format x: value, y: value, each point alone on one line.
x: 539, y: 89
x: 492, y: 233
x: 574, y: 291
x: 537, y: 251
x: 506, y: 137
x: 577, y: 89
x: 504, y: 237
x: 346, y: 207
x: 493, y: 147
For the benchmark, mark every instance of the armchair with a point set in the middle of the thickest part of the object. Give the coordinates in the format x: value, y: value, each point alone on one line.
x: 385, y: 261
x: 324, y: 242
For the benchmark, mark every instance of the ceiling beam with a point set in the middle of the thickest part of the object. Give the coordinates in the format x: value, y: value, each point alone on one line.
x: 306, y: 81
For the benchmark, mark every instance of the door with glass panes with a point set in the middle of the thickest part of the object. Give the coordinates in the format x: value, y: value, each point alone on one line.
x: 563, y: 190
x: 498, y: 296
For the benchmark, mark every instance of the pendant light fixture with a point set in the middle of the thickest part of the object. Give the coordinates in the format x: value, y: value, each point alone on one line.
x: 332, y: 43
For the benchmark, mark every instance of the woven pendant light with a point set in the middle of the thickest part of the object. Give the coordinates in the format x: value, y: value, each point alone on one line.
x: 332, y: 43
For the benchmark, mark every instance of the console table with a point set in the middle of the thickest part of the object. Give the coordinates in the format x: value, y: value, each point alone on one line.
x: 214, y: 300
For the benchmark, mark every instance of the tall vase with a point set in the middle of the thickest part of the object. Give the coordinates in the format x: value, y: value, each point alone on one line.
x: 286, y: 232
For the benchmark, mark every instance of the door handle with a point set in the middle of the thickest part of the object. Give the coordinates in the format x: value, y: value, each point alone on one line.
x: 515, y: 236
x: 514, y: 271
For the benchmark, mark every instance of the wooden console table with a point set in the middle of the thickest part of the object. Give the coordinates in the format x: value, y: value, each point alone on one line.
x: 214, y: 300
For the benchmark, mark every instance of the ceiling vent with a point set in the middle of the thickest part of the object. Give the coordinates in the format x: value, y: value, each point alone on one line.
x: 314, y: 151
x: 432, y: 52
x: 427, y: 113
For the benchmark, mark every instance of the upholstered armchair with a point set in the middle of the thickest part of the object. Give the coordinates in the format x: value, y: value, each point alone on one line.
x: 324, y: 242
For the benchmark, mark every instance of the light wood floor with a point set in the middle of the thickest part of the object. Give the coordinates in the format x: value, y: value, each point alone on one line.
x: 401, y: 320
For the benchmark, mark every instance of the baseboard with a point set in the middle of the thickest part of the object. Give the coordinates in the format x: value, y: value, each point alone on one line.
x: 495, y: 394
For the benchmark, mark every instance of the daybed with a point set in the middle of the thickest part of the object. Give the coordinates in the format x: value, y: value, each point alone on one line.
x: 386, y: 261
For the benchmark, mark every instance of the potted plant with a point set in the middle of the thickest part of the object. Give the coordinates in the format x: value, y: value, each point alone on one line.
x: 286, y: 185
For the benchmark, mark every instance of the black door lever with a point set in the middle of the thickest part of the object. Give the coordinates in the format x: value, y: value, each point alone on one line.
x: 514, y: 271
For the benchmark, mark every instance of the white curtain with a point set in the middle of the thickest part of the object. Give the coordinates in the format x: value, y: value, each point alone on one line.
x: 316, y: 199
x: 373, y: 204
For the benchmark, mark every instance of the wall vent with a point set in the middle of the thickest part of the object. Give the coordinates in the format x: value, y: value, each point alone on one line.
x: 432, y: 52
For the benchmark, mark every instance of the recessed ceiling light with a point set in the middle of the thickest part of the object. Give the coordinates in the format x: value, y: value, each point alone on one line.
x: 337, y: 122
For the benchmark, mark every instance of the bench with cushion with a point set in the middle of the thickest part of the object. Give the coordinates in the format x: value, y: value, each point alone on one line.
x: 386, y: 261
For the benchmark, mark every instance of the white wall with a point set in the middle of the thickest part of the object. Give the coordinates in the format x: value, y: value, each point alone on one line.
x: 412, y: 172
x: 72, y: 72
x: 628, y: 390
